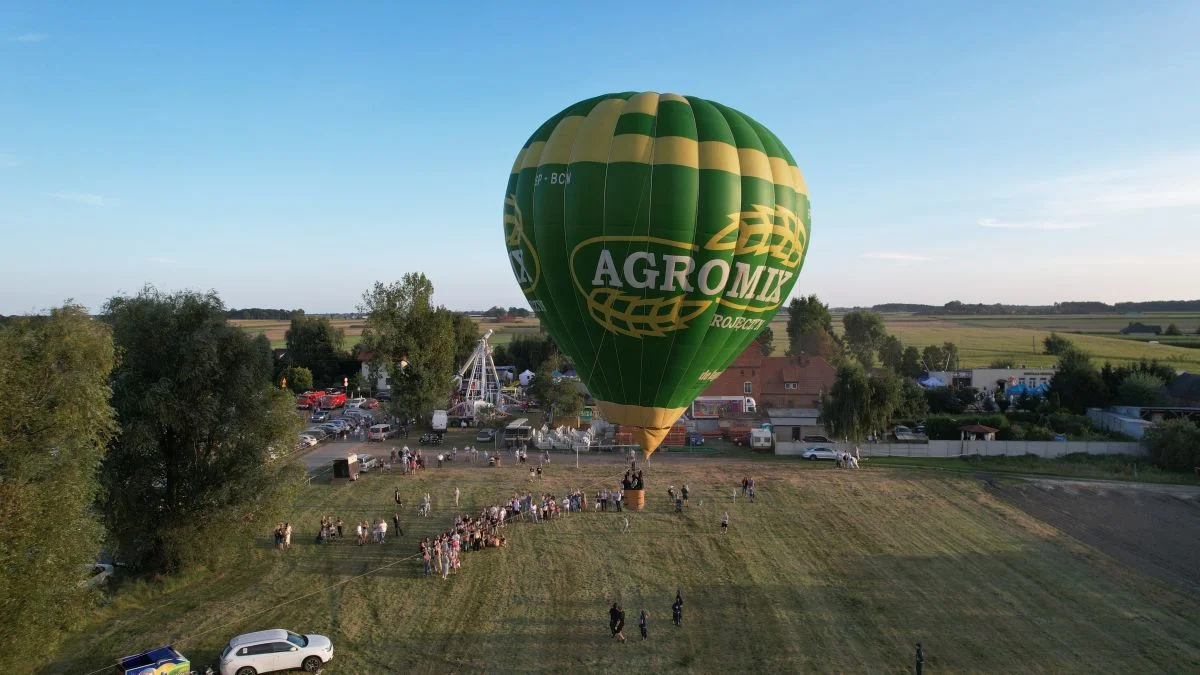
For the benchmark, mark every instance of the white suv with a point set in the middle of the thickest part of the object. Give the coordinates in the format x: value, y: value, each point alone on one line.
x: 270, y: 650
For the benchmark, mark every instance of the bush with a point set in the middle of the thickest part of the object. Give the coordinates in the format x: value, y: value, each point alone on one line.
x: 1174, y: 444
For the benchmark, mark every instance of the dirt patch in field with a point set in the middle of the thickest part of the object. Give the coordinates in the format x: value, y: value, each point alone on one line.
x: 1155, y: 532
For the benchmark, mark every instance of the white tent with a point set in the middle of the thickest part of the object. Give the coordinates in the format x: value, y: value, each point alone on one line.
x: 526, y: 377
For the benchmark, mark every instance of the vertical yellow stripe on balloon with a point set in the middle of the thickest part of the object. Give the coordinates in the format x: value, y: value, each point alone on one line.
x: 594, y: 135
x: 558, y: 146
x: 645, y: 103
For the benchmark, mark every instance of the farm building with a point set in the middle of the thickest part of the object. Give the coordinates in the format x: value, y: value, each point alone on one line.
x: 1139, y: 328
x: 775, y: 381
x: 1134, y: 420
x: 793, y: 424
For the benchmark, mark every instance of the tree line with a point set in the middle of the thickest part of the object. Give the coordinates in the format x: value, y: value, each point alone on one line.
x: 260, y: 314
x: 158, y: 433
x: 956, y: 307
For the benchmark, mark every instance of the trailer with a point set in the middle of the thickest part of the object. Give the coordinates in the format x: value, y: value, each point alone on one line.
x: 159, y: 661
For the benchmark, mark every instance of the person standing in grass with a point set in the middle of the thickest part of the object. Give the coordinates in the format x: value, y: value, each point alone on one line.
x: 456, y: 495
x: 685, y: 491
x: 725, y: 523
x: 396, y: 522
x: 920, y: 658
x: 425, y: 555
x: 677, y: 609
x: 642, y: 625
x: 287, y: 535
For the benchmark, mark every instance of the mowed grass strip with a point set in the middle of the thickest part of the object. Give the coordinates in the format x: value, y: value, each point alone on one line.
x: 830, y: 571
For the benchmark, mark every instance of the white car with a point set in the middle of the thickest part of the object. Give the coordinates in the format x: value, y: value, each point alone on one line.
x: 820, y: 452
x: 266, y: 651
x: 355, y: 402
x: 307, y: 441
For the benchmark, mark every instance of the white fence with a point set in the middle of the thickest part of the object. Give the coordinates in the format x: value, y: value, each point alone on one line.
x: 1048, y: 449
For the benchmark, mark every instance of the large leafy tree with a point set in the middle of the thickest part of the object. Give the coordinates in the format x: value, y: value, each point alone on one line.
x: 1056, y: 344
x: 1174, y: 444
x: 314, y: 343
x: 944, y: 357
x: 864, y: 333
x: 466, y: 336
x: 911, y: 402
x: 765, y: 341
x: 1077, y: 384
x: 412, y: 339
x: 810, y: 328
x: 858, y: 405
x: 560, y: 398
x: 1141, y: 388
x: 199, y: 418
x: 891, y: 353
x: 911, y: 365
x: 55, y: 422
x: 299, y: 379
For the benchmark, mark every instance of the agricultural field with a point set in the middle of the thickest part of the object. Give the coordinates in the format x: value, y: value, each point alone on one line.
x: 829, y: 571
x: 982, y: 340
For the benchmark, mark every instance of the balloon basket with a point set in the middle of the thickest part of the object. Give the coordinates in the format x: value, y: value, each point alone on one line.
x: 635, y: 499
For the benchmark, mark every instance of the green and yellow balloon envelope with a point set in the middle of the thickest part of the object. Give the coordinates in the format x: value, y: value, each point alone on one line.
x: 655, y: 235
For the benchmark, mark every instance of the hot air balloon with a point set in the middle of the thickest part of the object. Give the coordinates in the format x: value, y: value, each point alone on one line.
x: 655, y: 236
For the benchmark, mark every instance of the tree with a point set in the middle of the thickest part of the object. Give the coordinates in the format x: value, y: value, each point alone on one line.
x: 1055, y: 344
x: 1077, y: 384
x: 413, y: 341
x: 1174, y: 444
x: 199, y: 416
x: 55, y: 422
x: 558, y: 398
x: 361, y: 385
x: 944, y: 357
x: 299, y: 379
x: 466, y: 336
x: 1172, y: 329
x: 525, y: 352
x: 891, y: 353
x: 858, y: 405
x: 1141, y: 389
x: 911, y: 404
x: 810, y: 328
x: 864, y: 333
x: 910, y: 363
x: 766, y: 341
x: 314, y: 343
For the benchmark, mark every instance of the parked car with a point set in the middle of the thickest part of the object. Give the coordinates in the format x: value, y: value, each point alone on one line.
x: 319, y: 415
x: 331, y: 428
x: 267, y: 651
x: 316, y: 432
x: 370, y: 404
x: 817, y: 439
x: 486, y: 436
x: 819, y: 452
x: 307, y: 441
x: 384, y: 396
x: 354, y: 402
x: 380, y: 432
x: 367, y: 462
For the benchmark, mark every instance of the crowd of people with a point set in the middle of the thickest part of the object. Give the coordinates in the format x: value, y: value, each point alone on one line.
x: 846, y: 460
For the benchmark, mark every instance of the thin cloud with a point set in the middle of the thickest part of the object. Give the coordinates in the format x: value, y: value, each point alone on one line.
x: 163, y: 261
x: 30, y: 37
x: 1032, y: 224
x: 908, y: 257
x: 81, y: 198
x: 8, y: 161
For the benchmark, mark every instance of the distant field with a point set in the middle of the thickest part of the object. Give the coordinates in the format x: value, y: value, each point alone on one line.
x: 503, y: 332
x: 980, y: 339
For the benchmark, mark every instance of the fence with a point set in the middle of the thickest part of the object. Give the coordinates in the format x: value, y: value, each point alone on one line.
x: 1047, y: 449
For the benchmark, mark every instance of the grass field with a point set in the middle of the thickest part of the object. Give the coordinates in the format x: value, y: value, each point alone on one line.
x: 830, y: 571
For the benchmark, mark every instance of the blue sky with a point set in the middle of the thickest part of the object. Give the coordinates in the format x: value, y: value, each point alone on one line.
x: 290, y: 154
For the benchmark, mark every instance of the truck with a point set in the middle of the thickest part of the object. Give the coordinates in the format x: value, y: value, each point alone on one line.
x: 438, y: 423
x: 762, y: 439
x: 309, y: 399
x: 331, y: 401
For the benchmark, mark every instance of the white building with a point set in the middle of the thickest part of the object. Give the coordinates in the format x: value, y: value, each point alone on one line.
x: 993, y: 379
